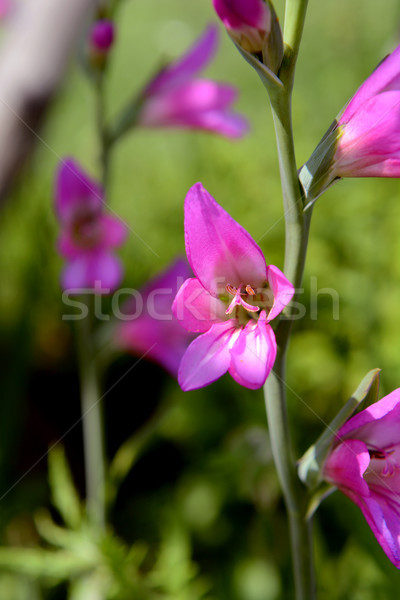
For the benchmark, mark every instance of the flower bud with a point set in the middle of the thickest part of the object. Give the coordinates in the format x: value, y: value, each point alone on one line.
x: 254, y: 26
x: 101, y: 39
x: 364, y: 140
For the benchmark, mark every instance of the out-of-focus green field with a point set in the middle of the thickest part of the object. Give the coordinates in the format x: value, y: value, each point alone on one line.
x: 222, y: 488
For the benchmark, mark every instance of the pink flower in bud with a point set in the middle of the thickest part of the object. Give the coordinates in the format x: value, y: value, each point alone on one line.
x: 369, y: 127
x: 176, y: 98
x: 364, y: 464
x: 230, y: 301
x: 148, y: 327
x: 102, y: 36
x: 88, y: 234
x: 248, y: 21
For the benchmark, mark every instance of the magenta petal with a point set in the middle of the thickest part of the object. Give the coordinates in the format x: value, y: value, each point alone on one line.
x: 236, y: 13
x: 195, y: 308
x: 226, y: 123
x: 219, y: 250
x: 369, y: 145
x: 382, y: 514
x: 253, y: 354
x: 163, y: 342
x: 99, y: 271
x: 200, y: 104
x: 346, y: 466
x: 378, y: 425
x: 114, y: 231
x: 282, y: 291
x: 197, y: 57
x: 385, y: 77
x: 75, y: 191
x: 67, y: 246
x: 208, y: 356
x: 148, y: 326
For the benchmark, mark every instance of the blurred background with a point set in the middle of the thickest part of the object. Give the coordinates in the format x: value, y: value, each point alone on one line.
x: 202, y: 496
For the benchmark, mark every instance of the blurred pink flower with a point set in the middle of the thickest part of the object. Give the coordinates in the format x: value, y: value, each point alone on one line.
x: 231, y: 300
x: 102, y: 35
x: 364, y: 464
x: 369, y: 128
x: 248, y: 21
x: 149, y: 328
x: 5, y: 8
x: 88, y: 234
x: 175, y: 98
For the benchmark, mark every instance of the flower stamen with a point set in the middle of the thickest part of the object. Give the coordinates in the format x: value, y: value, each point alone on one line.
x: 238, y: 300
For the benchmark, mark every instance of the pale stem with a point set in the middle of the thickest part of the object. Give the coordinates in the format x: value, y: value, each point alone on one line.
x: 297, y: 226
x: 102, y: 130
x: 92, y: 424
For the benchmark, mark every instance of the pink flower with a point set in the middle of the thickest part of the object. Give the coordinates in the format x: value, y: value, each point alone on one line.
x: 230, y: 301
x: 150, y: 328
x: 248, y: 21
x: 364, y: 464
x: 88, y: 234
x: 175, y: 98
x: 102, y: 36
x: 369, y: 128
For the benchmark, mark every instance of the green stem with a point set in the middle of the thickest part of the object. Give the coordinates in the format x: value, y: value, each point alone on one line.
x: 295, y: 14
x: 92, y: 425
x: 102, y: 131
x: 294, y: 494
x: 297, y: 225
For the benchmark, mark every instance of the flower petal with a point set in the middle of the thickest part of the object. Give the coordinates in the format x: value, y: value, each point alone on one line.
x: 237, y: 13
x: 147, y: 325
x: 378, y: 425
x: 369, y: 145
x: 383, y: 517
x: 385, y: 77
x: 253, y: 354
x: 164, y: 342
x: 75, y: 191
x: 114, y: 231
x: 345, y: 467
x: 219, y: 250
x: 282, y: 290
x: 200, y: 104
x: 208, y: 356
x: 100, y: 272
x: 195, y: 308
x: 195, y: 59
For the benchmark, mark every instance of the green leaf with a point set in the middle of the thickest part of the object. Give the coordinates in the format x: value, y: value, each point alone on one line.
x: 36, y: 562
x: 64, y: 495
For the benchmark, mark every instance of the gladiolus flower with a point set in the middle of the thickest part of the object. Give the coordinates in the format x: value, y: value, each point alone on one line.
x: 88, y: 234
x: 365, y: 139
x: 369, y: 139
x: 149, y: 328
x: 230, y: 301
x: 175, y: 98
x: 364, y: 464
x: 248, y: 21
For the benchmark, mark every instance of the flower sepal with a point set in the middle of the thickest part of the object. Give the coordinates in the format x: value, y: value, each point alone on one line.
x: 273, y: 49
x: 317, y: 174
x: 267, y: 76
x: 310, y: 465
